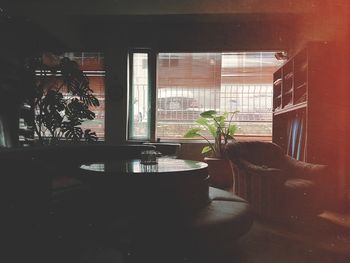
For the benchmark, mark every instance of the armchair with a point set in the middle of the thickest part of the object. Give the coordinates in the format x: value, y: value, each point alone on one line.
x: 275, y: 184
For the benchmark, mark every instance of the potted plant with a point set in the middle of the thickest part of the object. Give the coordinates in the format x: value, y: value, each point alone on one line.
x: 222, y: 130
x: 61, y: 99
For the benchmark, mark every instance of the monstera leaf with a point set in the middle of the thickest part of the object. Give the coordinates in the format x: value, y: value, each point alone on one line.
x: 90, y: 100
x: 71, y: 130
x: 90, y: 136
x: 53, y: 101
x: 80, y: 110
x: 74, y: 134
x: 51, y: 120
x: 70, y: 70
x: 74, y: 79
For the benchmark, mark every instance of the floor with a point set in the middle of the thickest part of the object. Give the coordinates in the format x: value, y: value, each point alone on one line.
x: 341, y: 217
x: 318, y: 240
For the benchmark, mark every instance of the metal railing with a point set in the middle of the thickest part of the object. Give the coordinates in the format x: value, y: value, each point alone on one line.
x: 178, y: 107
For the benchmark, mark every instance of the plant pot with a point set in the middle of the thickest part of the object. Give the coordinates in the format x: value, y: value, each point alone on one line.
x: 220, y: 173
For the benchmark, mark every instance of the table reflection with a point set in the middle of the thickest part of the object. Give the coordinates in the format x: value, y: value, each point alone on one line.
x: 135, y: 167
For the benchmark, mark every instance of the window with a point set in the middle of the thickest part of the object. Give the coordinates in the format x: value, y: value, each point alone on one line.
x: 139, y: 99
x: 168, y: 60
x: 92, y: 64
x: 232, y: 81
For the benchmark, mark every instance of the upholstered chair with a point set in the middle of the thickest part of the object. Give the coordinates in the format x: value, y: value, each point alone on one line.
x: 276, y: 185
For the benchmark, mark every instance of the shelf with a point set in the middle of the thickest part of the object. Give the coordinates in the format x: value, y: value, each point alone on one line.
x: 303, y: 67
x: 289, y: 76
x: 301, y: 86
x: 289, y: 108
x: 301, y: 98
x: 288, y: 92
x: 277, y: 108
x: 297, y: 117
x: 277, y: 82
x: 277, y: 95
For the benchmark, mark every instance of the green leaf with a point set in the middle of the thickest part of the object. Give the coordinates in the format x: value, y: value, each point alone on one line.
x: 232, y: 129
x: 208, y: 114
x: 206, y: 149
x: 220, y: 121
x: 202, y: 121
x: 233, y: 112
x: 192, y: 133
x: 212, y: 129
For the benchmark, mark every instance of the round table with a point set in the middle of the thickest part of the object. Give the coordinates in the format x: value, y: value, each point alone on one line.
x: 171, y: 205
x: 168, y: 183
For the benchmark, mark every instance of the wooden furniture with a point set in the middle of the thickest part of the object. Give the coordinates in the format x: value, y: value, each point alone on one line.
x: 310, y: 109
x: 307, y: 101
x: 181, y: 184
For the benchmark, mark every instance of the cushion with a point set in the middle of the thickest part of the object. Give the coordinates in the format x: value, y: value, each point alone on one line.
x: 225, y: 218
x: 298, y: 183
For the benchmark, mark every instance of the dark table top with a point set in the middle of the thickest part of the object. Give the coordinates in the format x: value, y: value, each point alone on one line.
x: 134, y: 167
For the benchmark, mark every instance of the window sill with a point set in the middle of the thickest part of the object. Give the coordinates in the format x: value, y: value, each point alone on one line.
x: 238, y: 138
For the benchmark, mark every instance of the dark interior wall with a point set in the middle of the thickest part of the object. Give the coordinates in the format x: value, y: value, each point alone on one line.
x: 191, y: 32
x: 327, y: 21
x: 19, y: 39
x: 10, y: 60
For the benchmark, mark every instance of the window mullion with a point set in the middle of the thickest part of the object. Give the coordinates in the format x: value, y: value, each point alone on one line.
x: 152, y: 77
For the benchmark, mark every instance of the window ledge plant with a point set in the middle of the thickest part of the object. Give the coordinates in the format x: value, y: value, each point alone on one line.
x: 219, y: 126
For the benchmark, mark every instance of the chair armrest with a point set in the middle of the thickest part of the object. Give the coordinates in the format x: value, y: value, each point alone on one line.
x: 259, y: 170
x: 307, y: 170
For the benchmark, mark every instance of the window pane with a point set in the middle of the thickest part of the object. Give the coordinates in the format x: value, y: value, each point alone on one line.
x: 139, y: 100
x: 190, y: 83
x: 93, y: 67
x: 92, y: 64
x: 2, y: 134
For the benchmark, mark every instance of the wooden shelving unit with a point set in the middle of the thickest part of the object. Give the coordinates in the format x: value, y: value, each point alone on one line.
x: 306, y: 105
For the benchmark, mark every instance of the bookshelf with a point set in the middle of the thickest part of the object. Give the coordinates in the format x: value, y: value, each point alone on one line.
x: 307, y: 101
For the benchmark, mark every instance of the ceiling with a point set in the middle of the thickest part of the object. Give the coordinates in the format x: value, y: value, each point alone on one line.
x: 161, y: 7
x: 67, y: 20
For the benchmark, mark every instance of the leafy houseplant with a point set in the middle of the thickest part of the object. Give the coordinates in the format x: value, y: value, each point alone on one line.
x: 61, y: 99
x: 217, y: 126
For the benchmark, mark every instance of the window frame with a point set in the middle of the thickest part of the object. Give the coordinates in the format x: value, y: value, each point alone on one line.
x: 153, y: 56
x: 96, y: 72
x: 151, y: 83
